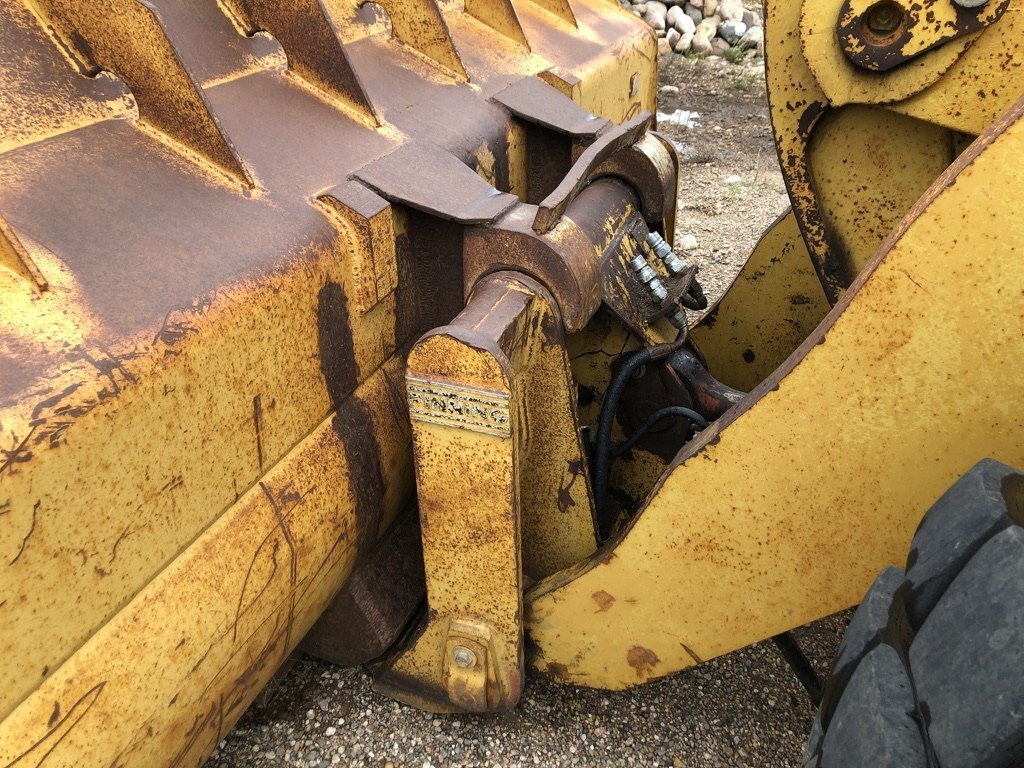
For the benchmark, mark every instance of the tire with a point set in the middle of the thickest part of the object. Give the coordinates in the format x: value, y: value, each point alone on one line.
x: 930, y: 672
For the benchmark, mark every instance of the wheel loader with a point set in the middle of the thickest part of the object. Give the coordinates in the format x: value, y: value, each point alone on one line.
x: 357, y: 328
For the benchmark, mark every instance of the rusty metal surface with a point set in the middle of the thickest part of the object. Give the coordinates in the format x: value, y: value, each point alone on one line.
x: 377, y: 601
x: 309, y: 35
x: 223, y: 307
x: 808, y: 76
x: 995, y: 62
x: 503, y: 491
x: 881, y: 36
x: 786, y: 508
x: 131, y: 40
x: 550, y: 211
x: 845, y: 83
x: 535, y: 101
x: 600, y: 227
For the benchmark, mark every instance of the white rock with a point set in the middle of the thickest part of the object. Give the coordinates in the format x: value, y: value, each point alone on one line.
x: 701, y: 43
x: 732, y: 30
x: 641, y: 7
x: 688, y: 243
x: 672, y: 17
x: 680, y: 117
x: 751, y: 19
x: 752, y: 38
x: 685, y: 24
x: 731, y: 10
x: 733, y: 180
x: 663, y: 46
x: 685, y: 41
x: 655, y: 14
x: 698, y: 4
x: 668, y: 90
x: 330, y: 730
x: 672, y: 35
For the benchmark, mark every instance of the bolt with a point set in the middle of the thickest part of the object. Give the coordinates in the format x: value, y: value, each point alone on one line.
x: 675, y: 264
x: 678, y: 319
x: 884, y: 18
x: 657, y: 242
x: 658, y: 290
x: 643, y: 269
x: 463, y: 657
x: 664, y: 252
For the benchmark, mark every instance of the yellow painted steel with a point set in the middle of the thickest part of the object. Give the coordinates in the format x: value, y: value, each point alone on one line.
x: 786, y: 509
x: 185, y: 483
x: 962, y: 86
x: 190, y: 472
x: 844, y: 83
x: 772, y: 306
x: 85, y: 507
x: 981, y: 85
x: 204, y: 636
x: 869, y: 166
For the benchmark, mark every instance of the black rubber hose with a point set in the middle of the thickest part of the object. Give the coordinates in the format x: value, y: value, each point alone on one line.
x: 603, y: 445
x: 664, y: 413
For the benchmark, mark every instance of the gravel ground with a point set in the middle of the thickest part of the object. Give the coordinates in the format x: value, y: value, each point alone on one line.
x: 744, y: 709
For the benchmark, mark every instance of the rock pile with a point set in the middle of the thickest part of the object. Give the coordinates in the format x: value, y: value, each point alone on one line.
x: 706, y: 27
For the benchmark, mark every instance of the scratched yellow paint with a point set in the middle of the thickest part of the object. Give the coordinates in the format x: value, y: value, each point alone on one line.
x: 177, y: 502
x: 787, y: 510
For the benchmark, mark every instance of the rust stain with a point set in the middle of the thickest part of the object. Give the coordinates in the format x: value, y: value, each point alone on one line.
x: 557, y: 671
x: 565, y: 499
x: 643, y: 660
x: 177, y: 324
x: 337, y: 349
x: 354, y: 426
x: 604, y: 600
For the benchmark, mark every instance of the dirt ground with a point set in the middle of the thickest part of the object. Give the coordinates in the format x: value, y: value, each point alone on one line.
x: 744, y: 709
x: 731, y: 188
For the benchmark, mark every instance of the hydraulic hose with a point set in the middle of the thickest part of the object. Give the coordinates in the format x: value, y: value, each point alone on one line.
x: 602, y: 449
x: 664, y: 413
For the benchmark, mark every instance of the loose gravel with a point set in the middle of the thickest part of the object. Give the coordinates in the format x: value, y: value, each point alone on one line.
x: 744, y: 709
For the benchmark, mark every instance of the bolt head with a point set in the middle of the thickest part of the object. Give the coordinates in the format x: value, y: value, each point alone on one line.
x: 678, y: 319
x: 885, y: 18
x: 463, y: 657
